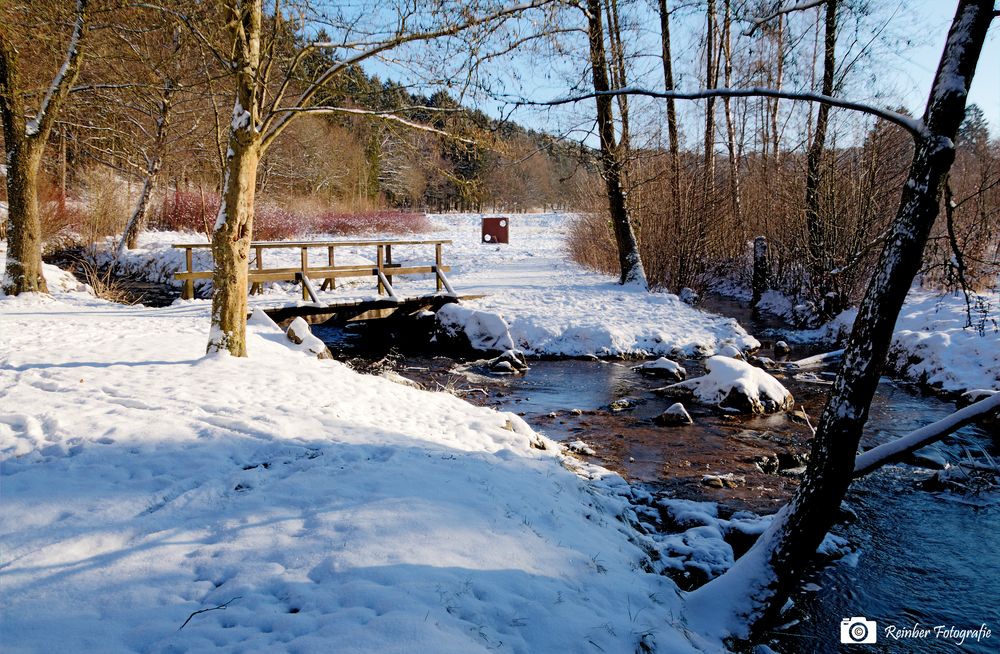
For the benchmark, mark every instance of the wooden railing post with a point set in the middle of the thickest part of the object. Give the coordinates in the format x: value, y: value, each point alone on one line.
x: 189, y: 283
x: 379, y: 259
x: 329, y: 282
x: 388, y: 261
x: 437, y: 264
x: 257, y: 287
x: 305, y: 272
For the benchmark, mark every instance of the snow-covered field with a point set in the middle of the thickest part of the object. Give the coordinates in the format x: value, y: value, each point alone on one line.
x: 328, y: 511
x: 142, y: 483
x: 553, y: 306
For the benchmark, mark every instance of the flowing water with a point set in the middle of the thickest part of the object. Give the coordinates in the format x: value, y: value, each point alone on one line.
x: 924, y: 555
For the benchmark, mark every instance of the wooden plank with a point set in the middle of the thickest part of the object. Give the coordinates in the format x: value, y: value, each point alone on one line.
x: 378, y: 271
x: 288, y: 274
x: 270, y: 245
x: 198, y: 274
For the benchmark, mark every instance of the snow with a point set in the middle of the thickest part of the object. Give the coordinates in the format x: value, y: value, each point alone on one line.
x: 484, y: 330
x: 144, y: 481
x: 726, y: 375
x: 775, y: 303
x: 932, y: 345
x: 663, y: 367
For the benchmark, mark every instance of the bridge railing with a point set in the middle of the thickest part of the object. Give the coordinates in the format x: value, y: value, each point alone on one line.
x: 383, y: 269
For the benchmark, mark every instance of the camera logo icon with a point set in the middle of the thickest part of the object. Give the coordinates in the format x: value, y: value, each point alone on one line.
x: 858, y: 631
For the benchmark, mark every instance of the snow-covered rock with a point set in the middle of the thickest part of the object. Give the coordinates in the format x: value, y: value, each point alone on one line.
x: 689, y: 296
x: 738, y: 386
x: 299, y: 333
x: 781, y: 349
x: 511, y: 361
x: 663, y: 368
x: 483, y: 330
x: 731, y: 351
x: 675, y: 414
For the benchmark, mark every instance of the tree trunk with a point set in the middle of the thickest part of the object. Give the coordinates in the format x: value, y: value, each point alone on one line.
x: 738, y: 603
x: 24, y: 238
x: 708, y: 173
x: 234, y: 225
x: 778, y: 81
x: 137, y: 221
x: 818, y: 250
x: 618, y: 72
x: 24, y: 142
x: 734, y: 169
x: 675, y: 148
x: 629, y: 260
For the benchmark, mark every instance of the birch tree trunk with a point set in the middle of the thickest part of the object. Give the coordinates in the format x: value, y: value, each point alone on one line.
x: 234, y: 225
x: 737, y: 604
x: 137, y: 221
x: 630, y: 262
x: 25, y: 141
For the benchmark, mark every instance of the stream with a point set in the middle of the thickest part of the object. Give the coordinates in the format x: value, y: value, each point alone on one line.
x: 925, y: 555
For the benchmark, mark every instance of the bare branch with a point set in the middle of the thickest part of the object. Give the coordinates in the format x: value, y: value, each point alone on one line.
x: 781, y: 10
x: 892, y: 451
x: 272, y: 126
x: 220, y: 607
x: 382, y: 115
x: 40, y: 125
x: 911, y: 125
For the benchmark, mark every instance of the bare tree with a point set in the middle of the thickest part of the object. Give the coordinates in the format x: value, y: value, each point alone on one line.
x: 630, y: 263
x: 820, y: 263
x: 768, y: 572
x: 740, y: 601
x: 24, y: 139
x: 274, y: 87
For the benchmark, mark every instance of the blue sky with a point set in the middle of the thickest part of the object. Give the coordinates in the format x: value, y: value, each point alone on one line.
x: 920, y: 63
x: 900, y: 73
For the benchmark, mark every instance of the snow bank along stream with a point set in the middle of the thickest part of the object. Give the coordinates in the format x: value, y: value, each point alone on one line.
x: 913, y: 548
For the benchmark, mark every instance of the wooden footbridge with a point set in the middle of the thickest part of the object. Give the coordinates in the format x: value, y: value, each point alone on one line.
x: 382, y: 271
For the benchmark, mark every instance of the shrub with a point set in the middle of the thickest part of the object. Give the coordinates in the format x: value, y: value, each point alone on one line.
x: 363, y: 222
x: 196, y: 211
x: 191, y: 211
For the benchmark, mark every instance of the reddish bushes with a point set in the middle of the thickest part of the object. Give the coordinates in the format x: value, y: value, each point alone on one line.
x: 186, y: 211
x: 386, y: 220
x: 193, y: 211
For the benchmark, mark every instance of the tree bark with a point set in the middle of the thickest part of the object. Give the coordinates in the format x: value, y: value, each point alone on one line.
x: 675, y: 148
x: 24, y: 141
x: 708, y: 172
x: 234, y: 225
x: 818, y: 250
x: 727, y: 51
x: 742, y: 600
x: 630, y: 262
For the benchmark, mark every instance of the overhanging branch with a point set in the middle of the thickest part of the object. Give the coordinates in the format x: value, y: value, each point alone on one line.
x: 381, y: 115
x: 892, y: 451
x: 911, y: 125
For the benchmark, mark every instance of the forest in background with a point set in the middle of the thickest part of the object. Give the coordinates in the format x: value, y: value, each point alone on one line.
x: 701, y: 182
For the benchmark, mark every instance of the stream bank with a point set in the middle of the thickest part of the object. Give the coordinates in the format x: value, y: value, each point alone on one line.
x: 922, y: 553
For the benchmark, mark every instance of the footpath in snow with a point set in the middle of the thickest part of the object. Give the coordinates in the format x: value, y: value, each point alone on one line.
x: 143, y: 482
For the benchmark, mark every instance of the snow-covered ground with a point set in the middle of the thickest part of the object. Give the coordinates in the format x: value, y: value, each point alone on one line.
x: 932, y: 344
x: 328, y: 511
x: 553, y: 306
